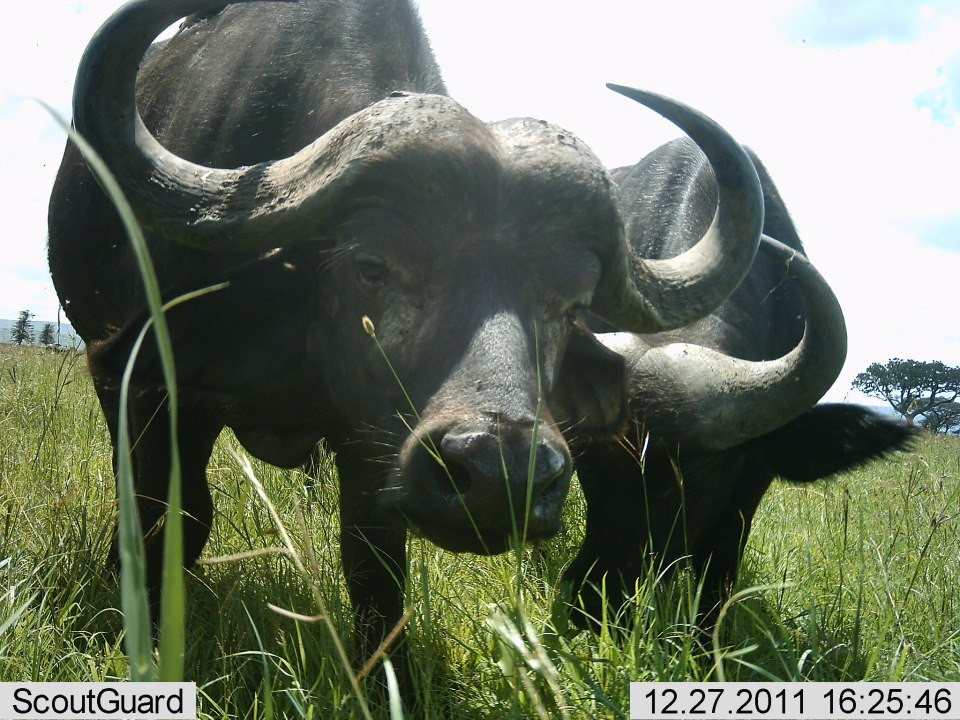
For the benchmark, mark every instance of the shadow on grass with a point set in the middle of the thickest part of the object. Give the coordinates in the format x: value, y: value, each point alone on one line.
x: 765, y: 640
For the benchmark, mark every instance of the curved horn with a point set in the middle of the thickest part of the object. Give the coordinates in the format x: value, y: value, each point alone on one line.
x: 706, y: 400
x: 648, y: 295
x: 254, y: 207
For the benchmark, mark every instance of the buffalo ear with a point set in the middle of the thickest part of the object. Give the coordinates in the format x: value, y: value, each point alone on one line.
x: 589, y: 395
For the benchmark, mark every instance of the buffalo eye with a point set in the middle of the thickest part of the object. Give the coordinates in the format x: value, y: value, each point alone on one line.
x: 372, y: 272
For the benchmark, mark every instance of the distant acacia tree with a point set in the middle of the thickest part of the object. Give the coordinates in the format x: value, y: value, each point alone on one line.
x: 48, y: 335
x: 22, y: 331
x: 944, y: 419
x: 913, y: 388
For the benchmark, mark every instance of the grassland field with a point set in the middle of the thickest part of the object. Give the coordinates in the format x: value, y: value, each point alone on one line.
x: 855, y: 578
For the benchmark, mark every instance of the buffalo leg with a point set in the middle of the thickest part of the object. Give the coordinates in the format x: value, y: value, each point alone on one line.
x: 150, y: 437
x: 719, y: 563
x: 617, y: 539
x: 373, y: 552
x: 698, y: 512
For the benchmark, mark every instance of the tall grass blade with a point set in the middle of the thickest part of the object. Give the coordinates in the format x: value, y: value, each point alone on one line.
x: 15, y: 615
x: 267, y: 680
x: 133, y: 571
x: 393, y: 691
x: 171, y: 643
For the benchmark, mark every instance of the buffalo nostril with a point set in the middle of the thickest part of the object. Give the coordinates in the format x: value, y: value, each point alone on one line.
x: 551, y: 465
x: 499, y: 481
x: 479, y: 461
x: 550, y: 480
x: 466, y: 457
x: 464, y: 444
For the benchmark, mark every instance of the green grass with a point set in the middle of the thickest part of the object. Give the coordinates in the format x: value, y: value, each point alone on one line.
x: 844, y: 580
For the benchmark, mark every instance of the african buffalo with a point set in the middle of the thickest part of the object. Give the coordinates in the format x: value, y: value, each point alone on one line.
x: 306, y: 154
x: 719, y: 407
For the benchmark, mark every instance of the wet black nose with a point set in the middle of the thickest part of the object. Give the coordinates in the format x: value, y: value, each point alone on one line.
x: 493, y: 478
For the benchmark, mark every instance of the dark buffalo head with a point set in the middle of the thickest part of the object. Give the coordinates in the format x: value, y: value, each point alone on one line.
x: 471, y: 249
x: 468, y: 251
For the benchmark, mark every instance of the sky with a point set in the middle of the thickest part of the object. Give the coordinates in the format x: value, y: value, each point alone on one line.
x: 853, y: 106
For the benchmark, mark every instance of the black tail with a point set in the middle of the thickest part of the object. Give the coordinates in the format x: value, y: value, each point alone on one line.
x: 833, y: 438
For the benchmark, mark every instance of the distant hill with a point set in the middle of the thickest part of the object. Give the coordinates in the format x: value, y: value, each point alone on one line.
x: 68, y: 336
